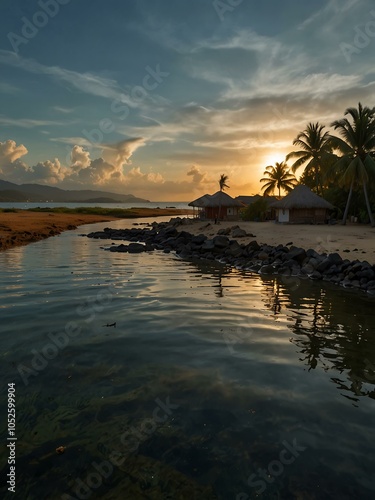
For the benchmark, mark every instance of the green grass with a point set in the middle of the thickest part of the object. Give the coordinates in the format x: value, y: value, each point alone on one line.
x: 110, y: 212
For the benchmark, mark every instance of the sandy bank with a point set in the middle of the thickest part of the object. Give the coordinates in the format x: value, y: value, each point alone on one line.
x: 352, y: 242
x: 23, y: 227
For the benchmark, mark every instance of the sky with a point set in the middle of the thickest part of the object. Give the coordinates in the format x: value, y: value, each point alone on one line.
x: 158, y: 98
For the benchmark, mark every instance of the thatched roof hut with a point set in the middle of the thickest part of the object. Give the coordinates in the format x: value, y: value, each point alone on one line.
x: 200, y: 202
x: 302, y: 206
x: 217, y: 206
x: 222, y: 199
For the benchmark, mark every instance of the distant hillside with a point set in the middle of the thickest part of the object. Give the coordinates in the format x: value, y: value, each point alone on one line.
x: 38, y: 193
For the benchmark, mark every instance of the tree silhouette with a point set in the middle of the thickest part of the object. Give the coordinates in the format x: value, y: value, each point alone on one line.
x: 357, y: 146
x: 278, y: 177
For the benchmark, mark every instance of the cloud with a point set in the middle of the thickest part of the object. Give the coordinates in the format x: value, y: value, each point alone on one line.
x: 71, y: 141
x: 197, y: 175
x: 28, y: 122
x: 119, y: 154
x: 82, y: 169
x: 80, y: 158
x: 10, y: 152
x: 47, y: 172
x: 60, y: 109
x: 86, y: 82
x: 15, y: 170
x: 5, y: 88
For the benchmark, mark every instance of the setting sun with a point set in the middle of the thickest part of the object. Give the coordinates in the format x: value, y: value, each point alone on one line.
x: 272, y: 158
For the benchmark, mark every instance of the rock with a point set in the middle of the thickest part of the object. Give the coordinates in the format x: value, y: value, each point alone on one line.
x: 335, y: 258
x: 199, y: 239
x: 312, y: 253
x: 332, y: 270
x: 297, y: 254
x: 238, y: 233
x: 263, y: 256
x: 316, y: 275
x: 267, y: 269
x: 253, y: 246
x: 307, y: 269
x: 221, y: 241
x: 323, y: 266
x: 313, y: 262
x: 171, y: 231
x: 235, y: 250
x: 224, y: 232
x: 208, y: 245
x: 284, y: 271
x: 136, y: 248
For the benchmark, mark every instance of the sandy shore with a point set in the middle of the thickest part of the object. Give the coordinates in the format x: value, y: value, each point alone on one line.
x: 23, y: 227
x: 353, y: 241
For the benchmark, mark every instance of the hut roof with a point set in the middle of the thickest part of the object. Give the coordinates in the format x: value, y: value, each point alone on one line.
x: 302, y: 197
x: 222, y: 199
x: 200, y: 202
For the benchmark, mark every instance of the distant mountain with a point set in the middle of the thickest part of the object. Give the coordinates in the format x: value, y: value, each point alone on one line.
x: 38, y: 193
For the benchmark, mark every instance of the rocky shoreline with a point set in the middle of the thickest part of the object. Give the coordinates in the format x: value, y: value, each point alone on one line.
x: 283, y: 260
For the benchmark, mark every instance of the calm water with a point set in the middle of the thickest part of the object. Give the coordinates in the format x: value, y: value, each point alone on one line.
x: 215, y: 383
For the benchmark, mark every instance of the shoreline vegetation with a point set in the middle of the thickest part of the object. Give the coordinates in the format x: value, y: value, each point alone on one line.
x: 21, y: 227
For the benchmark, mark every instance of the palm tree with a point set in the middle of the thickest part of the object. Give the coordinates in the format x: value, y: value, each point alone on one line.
x: 316, y: 151
x: 278, y: 177
x: 223, y: 182
x: 357, y: 163
x: 223, y: 185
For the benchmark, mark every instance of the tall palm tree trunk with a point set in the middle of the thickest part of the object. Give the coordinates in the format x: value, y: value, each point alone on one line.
x: 348, y: 204
x: 368, y: 205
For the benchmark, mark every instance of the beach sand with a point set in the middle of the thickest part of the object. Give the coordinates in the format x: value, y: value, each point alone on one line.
x: 23, y: 227
x: 353, y: 241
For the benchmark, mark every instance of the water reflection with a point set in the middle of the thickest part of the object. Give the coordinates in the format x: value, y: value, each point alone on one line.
x: 333, y: 329
x: 247, y: 363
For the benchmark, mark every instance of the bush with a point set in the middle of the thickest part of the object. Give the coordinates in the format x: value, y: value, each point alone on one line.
x: 256, y: 211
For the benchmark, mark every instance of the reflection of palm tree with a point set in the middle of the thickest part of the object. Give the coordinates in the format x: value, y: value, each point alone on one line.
x: 278, y: 177
x: 322, y: 339
x: 357, y: 147
x: 315, y: 151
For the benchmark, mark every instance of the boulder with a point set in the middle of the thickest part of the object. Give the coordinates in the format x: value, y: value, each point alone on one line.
x: 224, y: 232
x: 238, y: 233
x: 199, y: 239
x: 335, y: 258
x: 263, y: 255
x: 324, y: 265
x: 267, y: 269
x: 208, y: 245
x: 136, y: 248
x: 221, y: 241
x: 297, y: 254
